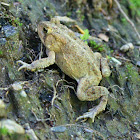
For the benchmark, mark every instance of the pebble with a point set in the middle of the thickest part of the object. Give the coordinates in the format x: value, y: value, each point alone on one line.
x: 127, y: 47
x: 58, y: 129
x: 23, y: 93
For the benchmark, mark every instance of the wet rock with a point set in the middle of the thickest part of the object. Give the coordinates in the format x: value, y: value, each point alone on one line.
x: 10, y: 51
x: 9, y: 30
x: 3, y: 112
x: 11, y: 126
x: 10, y: 43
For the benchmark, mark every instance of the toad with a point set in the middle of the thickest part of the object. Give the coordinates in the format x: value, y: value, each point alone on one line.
x: 77, y: 60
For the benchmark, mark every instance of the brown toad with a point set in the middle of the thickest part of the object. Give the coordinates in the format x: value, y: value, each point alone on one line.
x: 75, y: 59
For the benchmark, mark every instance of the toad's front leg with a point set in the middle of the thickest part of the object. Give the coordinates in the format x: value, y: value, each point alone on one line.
x: 39, y: 64
x: 88, y: 92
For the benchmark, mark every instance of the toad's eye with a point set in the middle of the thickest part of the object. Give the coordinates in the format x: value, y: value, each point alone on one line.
x: 45, y: 30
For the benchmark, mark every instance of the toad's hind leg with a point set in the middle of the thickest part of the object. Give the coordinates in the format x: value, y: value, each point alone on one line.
x: 88, y: 92
x: 102, y: 64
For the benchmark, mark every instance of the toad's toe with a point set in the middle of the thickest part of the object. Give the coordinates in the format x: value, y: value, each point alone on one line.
x: 91, y: 114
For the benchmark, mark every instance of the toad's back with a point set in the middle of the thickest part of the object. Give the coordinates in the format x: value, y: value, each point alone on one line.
x: 76, y: 59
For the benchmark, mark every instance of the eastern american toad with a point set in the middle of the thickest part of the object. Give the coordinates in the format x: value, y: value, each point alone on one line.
x: 75, y: 59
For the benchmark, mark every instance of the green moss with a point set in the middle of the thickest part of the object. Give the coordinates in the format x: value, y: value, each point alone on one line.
x: 132, y: 73
x: 82, y: 18
x: 69, y: 14
x: 135, y: 3
x: 80, y: 15
x: 92, y: 43
x: 135, y: 6
x: 111, y: 51
x: 86, y: 35
x: 124, y: 21
x: 99, y: 48
x: 129, y: 72
x: 108, y: 57
x: 4, y: 131
x: 78, y: 12
x: 1, y: 52
x: 17, y: 21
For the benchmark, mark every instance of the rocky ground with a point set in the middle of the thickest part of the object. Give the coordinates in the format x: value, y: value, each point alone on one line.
x: 43, y: 105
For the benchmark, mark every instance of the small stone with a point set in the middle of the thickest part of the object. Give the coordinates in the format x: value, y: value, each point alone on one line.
x: 23, y: 93
x: 88, y: 130
x: 127, y: 47
x: 11, y: 126
x: 58, y: 129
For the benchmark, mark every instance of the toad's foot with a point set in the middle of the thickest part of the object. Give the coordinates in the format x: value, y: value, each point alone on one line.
x: 91, y: 114
x: 88, y: 92
x: 39, y: 64
x: 25, y: 65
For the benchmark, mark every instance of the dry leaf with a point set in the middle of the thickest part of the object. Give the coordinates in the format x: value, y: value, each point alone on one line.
x: 103, y: 37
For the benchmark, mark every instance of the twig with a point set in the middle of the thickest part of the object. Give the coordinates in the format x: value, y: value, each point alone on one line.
x: 6, y: 4
x: 116, y: 61
x: 41, y: 51
x: 121, y: 89
x: 63, y: 80
x: 54, y: 95
x: 122, y: 58
x: 132, y: 24
x: 37, y: 119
